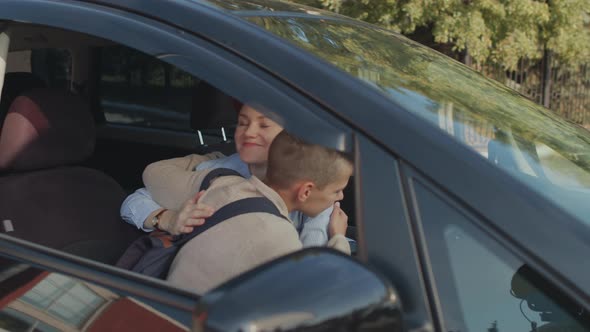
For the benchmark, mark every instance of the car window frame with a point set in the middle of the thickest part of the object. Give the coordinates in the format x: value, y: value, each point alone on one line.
x: 390, y: 243
x: 224, y: 70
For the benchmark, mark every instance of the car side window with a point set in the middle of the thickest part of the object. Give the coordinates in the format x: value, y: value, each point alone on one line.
x: 53, y: 66
x: 141, y: 90
x: 483, y: 286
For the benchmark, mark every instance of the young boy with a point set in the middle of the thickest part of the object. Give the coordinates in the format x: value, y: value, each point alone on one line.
x: 300, y: 176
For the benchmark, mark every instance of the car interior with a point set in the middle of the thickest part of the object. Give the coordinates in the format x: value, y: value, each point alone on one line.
x: 80, y: 119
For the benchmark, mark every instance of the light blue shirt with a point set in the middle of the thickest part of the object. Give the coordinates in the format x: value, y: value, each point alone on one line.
x: 312, y: 231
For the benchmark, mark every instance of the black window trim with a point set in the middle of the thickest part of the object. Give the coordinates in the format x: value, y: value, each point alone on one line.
x: 389, y: 243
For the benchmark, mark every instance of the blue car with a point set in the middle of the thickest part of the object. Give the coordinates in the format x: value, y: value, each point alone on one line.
x: 466, y: 206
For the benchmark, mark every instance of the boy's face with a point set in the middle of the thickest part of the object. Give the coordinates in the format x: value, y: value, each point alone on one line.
x: 254, y: 134
x: 321, y: 199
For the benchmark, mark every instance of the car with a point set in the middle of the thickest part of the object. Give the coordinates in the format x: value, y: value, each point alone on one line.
x: 468, y: 203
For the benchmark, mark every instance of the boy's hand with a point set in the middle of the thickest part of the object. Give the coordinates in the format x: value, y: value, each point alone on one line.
x: 338, y: 221
x: 191, y: 214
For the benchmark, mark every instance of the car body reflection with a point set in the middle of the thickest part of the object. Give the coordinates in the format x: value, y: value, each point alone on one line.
x: 36, y: 300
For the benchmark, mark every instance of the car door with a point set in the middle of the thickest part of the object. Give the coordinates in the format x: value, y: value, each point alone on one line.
x: 479, y: 279
x: 219, y: 67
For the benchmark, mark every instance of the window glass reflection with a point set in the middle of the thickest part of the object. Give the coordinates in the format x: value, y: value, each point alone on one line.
x: 138, y: 89
x: 36, y: 300
x: 511, y: 132
x: 64, y: 298
x: 15, y: 321
x: 503, y: 296
x: 481, y: 285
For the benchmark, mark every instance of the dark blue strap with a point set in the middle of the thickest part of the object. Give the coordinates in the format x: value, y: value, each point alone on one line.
x: 215, y: 174
x: 242, y: 206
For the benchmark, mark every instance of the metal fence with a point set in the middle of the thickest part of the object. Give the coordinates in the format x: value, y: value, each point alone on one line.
x: 563, y: 90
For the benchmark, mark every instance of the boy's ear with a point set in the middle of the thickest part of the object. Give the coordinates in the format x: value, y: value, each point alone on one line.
x: 304, y: 191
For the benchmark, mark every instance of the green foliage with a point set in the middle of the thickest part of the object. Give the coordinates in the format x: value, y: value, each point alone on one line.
x: 425, y: 82
x: 498, y: 31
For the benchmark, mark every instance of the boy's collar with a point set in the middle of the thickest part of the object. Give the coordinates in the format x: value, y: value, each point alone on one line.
x: 271, y: 194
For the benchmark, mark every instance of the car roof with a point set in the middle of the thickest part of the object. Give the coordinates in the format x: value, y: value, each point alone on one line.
x: 265, y: 8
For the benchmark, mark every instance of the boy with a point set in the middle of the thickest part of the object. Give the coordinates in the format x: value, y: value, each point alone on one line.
x: 300, y: 176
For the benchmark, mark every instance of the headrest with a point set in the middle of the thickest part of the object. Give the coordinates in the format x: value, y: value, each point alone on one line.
x: 14, y: 85
x: 213, y: 109
x: 46, y: 128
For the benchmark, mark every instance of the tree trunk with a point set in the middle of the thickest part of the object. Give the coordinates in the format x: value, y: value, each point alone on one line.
x: 467, y: 58
x: 547, y: 77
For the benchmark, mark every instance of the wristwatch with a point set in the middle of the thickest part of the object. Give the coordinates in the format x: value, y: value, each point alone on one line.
x: 156, y: 219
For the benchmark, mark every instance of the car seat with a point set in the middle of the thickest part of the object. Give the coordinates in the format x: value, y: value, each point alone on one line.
x: 213, y: 110
x: 47, y: 198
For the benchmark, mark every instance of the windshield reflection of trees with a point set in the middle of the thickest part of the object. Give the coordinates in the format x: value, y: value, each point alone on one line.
x: 398, y: 63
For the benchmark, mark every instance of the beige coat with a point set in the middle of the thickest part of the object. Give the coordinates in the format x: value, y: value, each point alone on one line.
x: 234, y: 246
x: 172, y: 182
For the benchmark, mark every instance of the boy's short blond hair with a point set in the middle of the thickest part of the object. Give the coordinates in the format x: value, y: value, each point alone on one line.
x: 291, y: 159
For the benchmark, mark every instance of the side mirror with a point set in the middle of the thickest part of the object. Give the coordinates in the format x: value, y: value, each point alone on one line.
x: 315, y: 289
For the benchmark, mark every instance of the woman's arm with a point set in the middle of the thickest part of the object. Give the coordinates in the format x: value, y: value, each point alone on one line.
x: 172, y: 182
x: 138, y: 207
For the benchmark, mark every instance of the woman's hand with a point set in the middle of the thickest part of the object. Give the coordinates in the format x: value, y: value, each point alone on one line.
x: 190, y: 215
x: 338, y: 221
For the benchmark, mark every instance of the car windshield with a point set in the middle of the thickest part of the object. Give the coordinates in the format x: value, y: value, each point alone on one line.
x: 543, y: 150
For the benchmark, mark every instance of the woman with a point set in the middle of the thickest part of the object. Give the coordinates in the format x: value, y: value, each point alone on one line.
x: 253, y: 136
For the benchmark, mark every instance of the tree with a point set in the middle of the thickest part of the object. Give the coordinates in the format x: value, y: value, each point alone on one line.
x: 497, y: 31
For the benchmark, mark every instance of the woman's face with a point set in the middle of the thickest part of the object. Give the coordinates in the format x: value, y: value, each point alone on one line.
x: 254, y: 134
